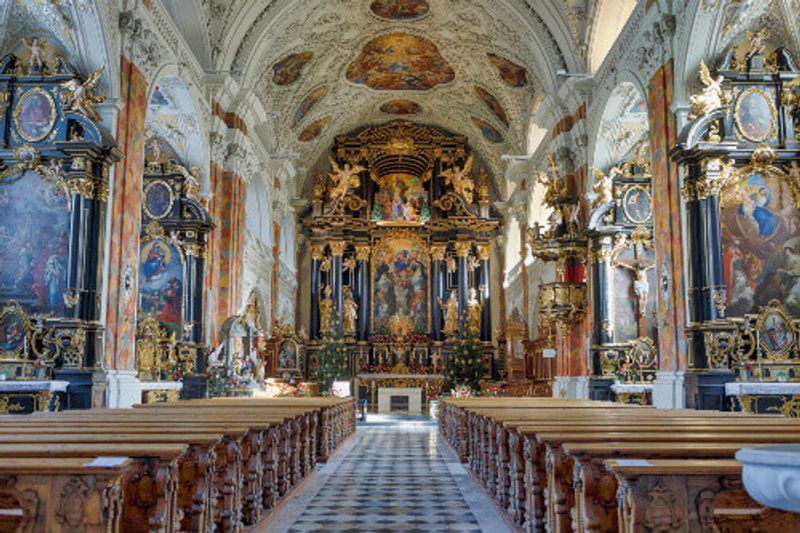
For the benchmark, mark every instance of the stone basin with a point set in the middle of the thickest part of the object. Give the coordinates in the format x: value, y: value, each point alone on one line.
x: 771, y: 475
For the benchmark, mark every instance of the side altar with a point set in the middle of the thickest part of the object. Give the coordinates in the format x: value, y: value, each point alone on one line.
x: 400, y: 229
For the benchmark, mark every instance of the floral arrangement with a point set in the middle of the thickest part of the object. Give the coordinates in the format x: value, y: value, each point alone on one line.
x: 461, y: 391
x: 390, y: 338
x: 492, y: 390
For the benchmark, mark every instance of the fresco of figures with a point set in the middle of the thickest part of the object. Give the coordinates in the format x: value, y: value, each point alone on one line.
x: 33, y: 243
x: 760, y: 245
x: 400, y: 286
x: 401, y: 197
x: 161, y: 283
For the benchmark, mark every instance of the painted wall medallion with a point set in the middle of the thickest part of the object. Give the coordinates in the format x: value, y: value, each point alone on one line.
x: 637, y: 204
x: 755, y: 115
x: 161, y: 283
x: 288, y: 356
x: 492, y: 103
x: 288, y: 70
x: 34, y: 224
x: 400, y: 61
x: 313, y: 130
x: 488, y: 131
x: 401, y: 107
x: 760, y: 244
x: 512, y: 74
x: 12, y: 333
x: 776, y: 333
x: 400, y: 9
x: 35, y: 115
x: 307, y: 104
x: 158, y: 199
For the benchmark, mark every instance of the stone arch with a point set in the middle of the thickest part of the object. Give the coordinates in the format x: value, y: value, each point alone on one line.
x: 623, y: 125
x: 610, y: 17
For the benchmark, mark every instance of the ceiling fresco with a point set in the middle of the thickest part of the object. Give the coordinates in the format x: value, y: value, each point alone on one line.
x: 490, y: 101
x: 401, y: 107
x: 288, y: 70
x: 488, y: 131
x: 307, y: 104
x: 400, y: 9
x: 400, y: 61
x: 512, y: 74
x: 172, y: 119
x: 313, y: 130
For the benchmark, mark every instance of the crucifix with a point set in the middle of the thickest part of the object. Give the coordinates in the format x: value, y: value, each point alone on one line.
x: 641, y: 288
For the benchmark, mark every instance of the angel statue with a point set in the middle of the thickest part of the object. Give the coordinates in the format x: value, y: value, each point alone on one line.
x: 603, y: 186
x: 710, y: 98
x: 343, y: 179
x: 36, y: 46
x: 758, y: 43
x: 641, y: 287
x: 462, y: 184
x: 79, y: 97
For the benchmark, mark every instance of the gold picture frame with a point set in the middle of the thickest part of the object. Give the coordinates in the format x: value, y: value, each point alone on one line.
x: 742, y: 124
x: 51, y: 120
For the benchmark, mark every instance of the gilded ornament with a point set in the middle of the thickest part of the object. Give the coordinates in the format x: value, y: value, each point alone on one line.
x: 484, y: 252
x: 363, y: 252
x: 603, y: 186
x: 710, y: 98
x: 317, y: 252
x: 438, y: 252
x: 78, y: 96
x: 460, y: 181
x: 338, y: 247
x: 463, y: 248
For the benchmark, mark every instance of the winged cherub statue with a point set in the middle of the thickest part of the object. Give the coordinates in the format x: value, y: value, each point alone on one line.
x: 79, y: 97
x: 710, y: 98
x: 36, y: 46
x: 604, y: 186
x: 462, y: 184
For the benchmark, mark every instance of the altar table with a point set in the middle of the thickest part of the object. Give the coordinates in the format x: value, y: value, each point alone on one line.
x: 414, y: 395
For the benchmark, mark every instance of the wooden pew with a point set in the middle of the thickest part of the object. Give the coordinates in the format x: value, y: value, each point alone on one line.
x: 61, y: 495
x: 690, y: 495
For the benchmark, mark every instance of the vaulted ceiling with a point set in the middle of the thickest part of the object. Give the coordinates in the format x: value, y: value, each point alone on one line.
x: 324, y: 67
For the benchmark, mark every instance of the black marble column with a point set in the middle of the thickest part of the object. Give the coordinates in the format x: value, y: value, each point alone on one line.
x: 485, y: 292
x: 438, y: 284
x: 462, y: 253
x: 317, y: 253
x: 337, y: 251
x: 363, y: 291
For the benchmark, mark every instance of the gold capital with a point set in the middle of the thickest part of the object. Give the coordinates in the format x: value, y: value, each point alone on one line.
x: 484, y: 251
x: 317, y: 252
x: 363, y: 251
x: 463, y: 248
x: 337, y: 248
x: 438, y: 251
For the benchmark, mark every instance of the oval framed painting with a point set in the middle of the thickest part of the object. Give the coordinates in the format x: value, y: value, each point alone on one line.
x: 35, y: 115
x: 637, y: 205
x: 776, y: 332
x: 755, y: 115
x: 158, y: 199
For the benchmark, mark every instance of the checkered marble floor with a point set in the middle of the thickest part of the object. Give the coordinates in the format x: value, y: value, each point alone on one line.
x: 393, y: 476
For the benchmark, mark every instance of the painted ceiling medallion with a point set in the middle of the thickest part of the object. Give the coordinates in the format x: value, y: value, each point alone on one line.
x: 313, y: 130
x: 492, y: 103
x: 488, y: 131
x: 401, y: 107
x: 512, y: 74
x: 307, y: 104
x: 400, y: 9
x: 287, y: 70
x: 400, y: 62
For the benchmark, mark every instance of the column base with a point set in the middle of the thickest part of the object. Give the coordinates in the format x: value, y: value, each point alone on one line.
x: 669, y: 390
x: 123, y: 389
x: 574, y: 387
x: 706, y: 390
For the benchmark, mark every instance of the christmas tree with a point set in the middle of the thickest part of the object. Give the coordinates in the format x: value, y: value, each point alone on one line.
x: 465, y: 365
x: 332, y: 356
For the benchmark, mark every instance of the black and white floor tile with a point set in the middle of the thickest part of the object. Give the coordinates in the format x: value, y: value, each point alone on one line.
x: 392, y: 476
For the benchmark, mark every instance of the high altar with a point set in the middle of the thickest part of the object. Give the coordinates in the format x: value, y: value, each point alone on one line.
x: 401, y: 228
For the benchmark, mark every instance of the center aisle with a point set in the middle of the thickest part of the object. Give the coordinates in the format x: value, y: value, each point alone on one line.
x: 394, y: 475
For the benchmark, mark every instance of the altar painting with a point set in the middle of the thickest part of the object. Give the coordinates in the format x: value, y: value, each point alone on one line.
x: 34, y: 243
x: 400, y: 287
x: 161, y: 283
x: 401, y: 198
x: 760, y: 245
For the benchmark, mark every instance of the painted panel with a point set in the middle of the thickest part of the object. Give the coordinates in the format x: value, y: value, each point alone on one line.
x: 288, y: 70
x: 307, y: 104
x: 400, y: 61
x: 493, y: 104
x: 34, y: 244
x: 401, y: 107
x: 400, y: 286
x: 161, y: 283
x: 760, y: 245
x: 400, y: 9
x: 400, y: 197
x: 512, y: 74
x: 313, y: 130
x: 488, y: 131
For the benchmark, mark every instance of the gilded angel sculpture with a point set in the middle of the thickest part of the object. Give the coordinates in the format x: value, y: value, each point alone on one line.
x: 604, y: 186
x: 342, y: 180
x: 79, y: 97
x: 459, y: 179
x: 710, y: 98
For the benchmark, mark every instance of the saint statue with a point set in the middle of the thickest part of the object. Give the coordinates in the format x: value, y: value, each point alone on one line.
x: 325, y: 312
x: 450, y: 315
x: 350, y: 312
x: 474, y: 311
